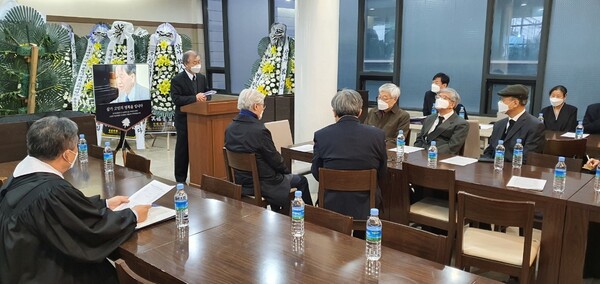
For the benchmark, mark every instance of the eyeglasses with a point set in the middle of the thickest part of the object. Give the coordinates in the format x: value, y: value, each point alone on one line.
x: 442, y: 97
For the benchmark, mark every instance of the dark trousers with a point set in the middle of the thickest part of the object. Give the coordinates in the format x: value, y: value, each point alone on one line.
x: 301, y: 184
x: 182, y: 157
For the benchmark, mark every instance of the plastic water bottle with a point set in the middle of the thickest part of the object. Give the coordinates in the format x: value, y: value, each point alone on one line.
x: 298, y: 215
x: 109, y: 160
x: 433, y: 109
x: 83, y: 149
x: 517, y: 160
x: 432, y: 155
x: 541, y: 117
x: 597, y: 179
x: 373, y: 237
x: 560, y: 175
x: 499, y: 156
x: 181, y: 207
x: 579, y: 130
x: 400, y: 142
x: 461, y: 112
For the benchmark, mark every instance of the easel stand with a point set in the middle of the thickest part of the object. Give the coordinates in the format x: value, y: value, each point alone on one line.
x: 124, y: 146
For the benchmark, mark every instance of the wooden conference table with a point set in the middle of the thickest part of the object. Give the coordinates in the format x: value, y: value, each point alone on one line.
x: 481, y: 179
x: 592, y: 144
x: 231, y: 241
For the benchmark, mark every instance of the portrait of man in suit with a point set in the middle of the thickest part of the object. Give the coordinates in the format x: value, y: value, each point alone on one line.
x: 518, y: 125
x: 446, y: 128
x: 130, y: 89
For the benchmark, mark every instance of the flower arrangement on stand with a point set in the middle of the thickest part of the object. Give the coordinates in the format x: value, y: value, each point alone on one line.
x: 164, y: 69
x: 86, y: 100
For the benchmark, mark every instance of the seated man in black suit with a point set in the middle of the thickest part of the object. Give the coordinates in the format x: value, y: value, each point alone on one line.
x: 591, y: 120
x: 518, y: 124
x: 438, y: 82
x: 247, y: 134
x: 349, y: 145
x: 446, y: 128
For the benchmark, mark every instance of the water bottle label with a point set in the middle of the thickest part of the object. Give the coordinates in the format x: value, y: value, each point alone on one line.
x: 499, y: 155
x: 462, y: 115
x: 298, y: 213
x: 400, y: 142
x: 373, y: 233
x: 432, y: 155
x: 579, y: 131
x: 108, y: 156
x: 560, y: 173
x: 518, y: 152
x: 181, y: 205
x: 597, y: 172
x: 82, y: 147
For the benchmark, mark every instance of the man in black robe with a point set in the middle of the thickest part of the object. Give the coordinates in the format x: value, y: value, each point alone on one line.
x: 51, y: 232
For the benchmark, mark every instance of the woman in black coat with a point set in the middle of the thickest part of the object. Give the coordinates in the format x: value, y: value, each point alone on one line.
x: 559, y: 116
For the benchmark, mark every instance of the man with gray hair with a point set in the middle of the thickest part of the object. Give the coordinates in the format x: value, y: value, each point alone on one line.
x: 389, y: 116
x: 247, y: 134
x: 187, y: 87
x: 349, y: 145
x: 446, y: 128
x: 51, y: 232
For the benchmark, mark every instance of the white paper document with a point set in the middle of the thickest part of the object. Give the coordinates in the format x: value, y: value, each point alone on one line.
x: 486, y: 126
x: 572, y: 135
x: 459, y: 161
x: 147, y: 194
x: 407, y: 149
x: 527, y: 183
x: 304, y: 148
x: 156, y: 214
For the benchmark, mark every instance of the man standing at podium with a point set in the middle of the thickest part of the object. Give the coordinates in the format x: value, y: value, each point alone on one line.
x: 186, y: 87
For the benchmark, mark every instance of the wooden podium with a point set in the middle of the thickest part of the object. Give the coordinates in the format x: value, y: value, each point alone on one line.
x: 207, y: 122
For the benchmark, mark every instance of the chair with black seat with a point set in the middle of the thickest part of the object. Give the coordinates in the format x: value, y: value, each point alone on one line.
x: 137, y: 162
x: 328, y: 219
x: 413, y: 241
x: 496, y: 251
x: 569, y: 148
x: 245, y: 162
x: 347, y: 181
x: 127, y: 276
x: 221, y: 187
x: 431, y: 211
x: 549, y: 161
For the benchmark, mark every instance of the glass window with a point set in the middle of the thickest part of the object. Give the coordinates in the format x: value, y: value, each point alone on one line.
x: 218, y: 81
x: 215, y: 33
x: 373, y: 87
x: 380, y: 35
x: 285, y: 14
x: 516, y: 37
x: 347, y: 49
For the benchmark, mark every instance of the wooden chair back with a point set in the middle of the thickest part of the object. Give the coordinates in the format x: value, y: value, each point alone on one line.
x: 569, y: 148
x: 221, y: 187
x: 281, y: 133
x: 347, y: 180
x: 137, y: 162
x: 549, y: 161
x: 413, y: 241
x: 127, y: 276
x: 97, y: 152
x: 442, y: 180
x: 473, y: 208
x: 471, y: 148
x: 245, y: 162
x: 328, y: 219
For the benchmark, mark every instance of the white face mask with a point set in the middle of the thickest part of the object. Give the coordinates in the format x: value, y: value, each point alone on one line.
x: 441, y: 103
x: 74, y: 160
x: 502, y: 107
x: 435, y: 88
x: 381, y: 105
x: 556, y: 101
x: 196, y: 68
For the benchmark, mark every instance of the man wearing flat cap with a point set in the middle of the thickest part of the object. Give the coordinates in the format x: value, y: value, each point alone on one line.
x: 518, y: 125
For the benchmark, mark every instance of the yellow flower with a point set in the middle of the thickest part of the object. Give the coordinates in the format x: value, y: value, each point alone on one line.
x: 164, y: 87
x: 93, y: 60
x: 261, y: 89
x: 273, y: 49
x: 117, y: 61
x: 163, y: 60
x: 268, y: 68
x: 293, y: 65
x: 89, y: 85
x: 163, y: 44
x: 288, y: 83
x: 97, y: 46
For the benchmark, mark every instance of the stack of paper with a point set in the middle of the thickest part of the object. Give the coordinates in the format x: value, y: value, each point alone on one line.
x: 526, y: 183
x: 459, y: 161
x: 572, y: 135
x: 407, y: 149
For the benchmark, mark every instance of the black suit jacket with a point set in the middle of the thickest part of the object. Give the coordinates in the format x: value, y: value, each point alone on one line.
x: 182, y: 93
x: 247, y: 134
x: 450, y: 136
x: 591, y: 120
x: 349, y: 145
x: 527, y: 127
x: 567, y: 118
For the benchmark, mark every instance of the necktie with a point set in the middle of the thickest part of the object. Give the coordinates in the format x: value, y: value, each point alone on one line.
x: 440, y: 120
x: 195, y: 85
x: 510, y: 125
x: 126, y: 98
